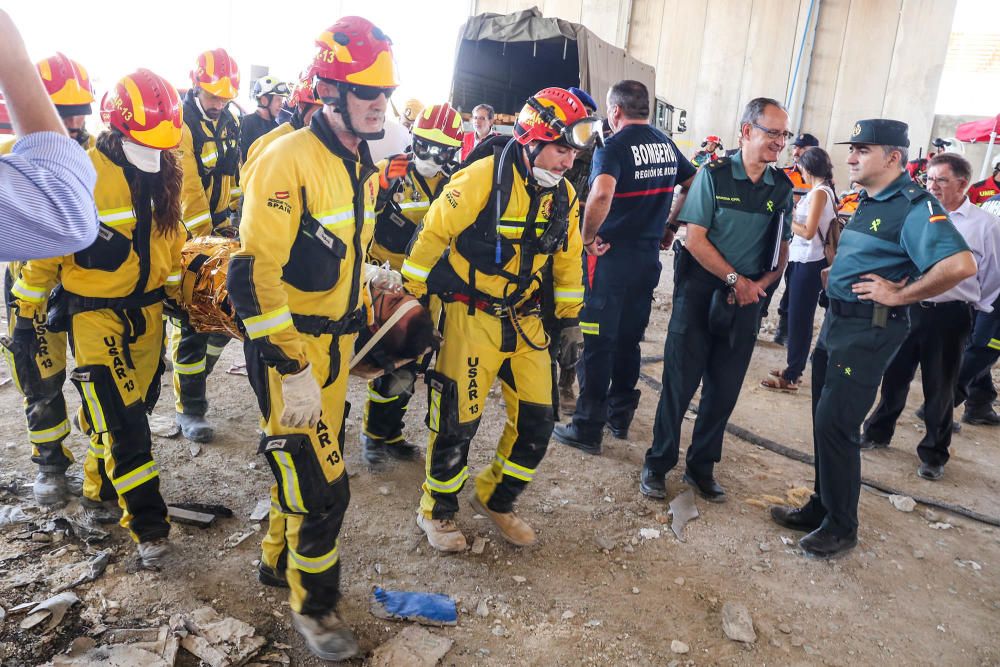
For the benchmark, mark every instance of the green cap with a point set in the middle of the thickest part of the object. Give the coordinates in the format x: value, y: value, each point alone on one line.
x: 880, y: 132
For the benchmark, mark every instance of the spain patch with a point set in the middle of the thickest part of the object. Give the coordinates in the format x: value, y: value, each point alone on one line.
x: 937, y: 218
x: 281, y: 195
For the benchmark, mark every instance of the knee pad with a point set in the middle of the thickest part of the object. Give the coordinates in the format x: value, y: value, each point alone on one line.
x: 534, y: 423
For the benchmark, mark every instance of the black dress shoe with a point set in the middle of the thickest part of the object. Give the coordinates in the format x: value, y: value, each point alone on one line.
x: 652, y: 484
x: 931, y: 471
x: 869, y: 444
x: 567, y: 434
x: 823, y: 544
x: 981, y: 417
x: 708, y: 489
x: 271, y: 577
x: 795, y: 518
x: 402, y: 450
x: 618, y: 431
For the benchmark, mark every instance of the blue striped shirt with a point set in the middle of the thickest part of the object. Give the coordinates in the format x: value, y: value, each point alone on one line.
x: 46, y: 198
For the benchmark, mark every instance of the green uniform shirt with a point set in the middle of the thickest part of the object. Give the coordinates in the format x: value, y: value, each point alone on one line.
x: 739, y: 214
x: 901, y: 232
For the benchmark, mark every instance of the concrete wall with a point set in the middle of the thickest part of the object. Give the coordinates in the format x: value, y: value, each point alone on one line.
x: 866, y: 58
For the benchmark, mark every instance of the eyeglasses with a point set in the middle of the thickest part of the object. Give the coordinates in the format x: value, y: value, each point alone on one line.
x: 938, y: 179
x: 784, y: 135
x: 369, y: 93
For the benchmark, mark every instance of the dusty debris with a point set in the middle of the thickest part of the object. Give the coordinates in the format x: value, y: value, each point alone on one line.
x: 412, y: 647
x: 737, y: 623
x: 85, y: 572
x: 236, y: 539
x: 479, y: 545
x: 237, y: 369
x: 969, y: 563
x: 649, y: 533
x: 52, y: 610
x: 903, y: 503
x: 12, y: 514
x: 683, y: 510
x: 84, y: 652
x: 679, y: 647
x: 219, y: 641
x: 194, y: 449
x: 940, y: 525
x: 261, y: 510
x: 798, y: 495
x: 180, y: 515
x: 164, y: 427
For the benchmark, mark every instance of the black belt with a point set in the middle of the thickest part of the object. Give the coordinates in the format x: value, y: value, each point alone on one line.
x: 493, y: 306
x: 862, y: 309
x: 77, y: 303
x: 944, y: 304
x: 318, y: 325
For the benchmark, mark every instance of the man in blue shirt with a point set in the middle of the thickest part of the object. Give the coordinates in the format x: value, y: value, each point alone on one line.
x: 632, y: 183
x: 898, y: 233
x: 47, y: 182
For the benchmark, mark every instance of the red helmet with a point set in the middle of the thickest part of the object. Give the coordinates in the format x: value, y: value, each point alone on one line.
x: 555, y: 114
x: 302, y: 93
x: 68, y: 84
x: 146, y: 109
x: 217, y: 73
x: 712, y: 139
x: 106, y: 108
x: 354, y: 50
x: 440, y: 124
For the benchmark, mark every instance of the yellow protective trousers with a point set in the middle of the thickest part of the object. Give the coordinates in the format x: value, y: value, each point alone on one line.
x: 311, y: 493
x: 118, y: 367
x: 193, y: 356
x: 477, y: 349
x: 41, y: 380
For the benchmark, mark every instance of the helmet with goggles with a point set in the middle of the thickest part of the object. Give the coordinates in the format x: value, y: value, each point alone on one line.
x: 437, y: 134
x: 269, y: 85
x: 556, y: 115
x: 356, y: 56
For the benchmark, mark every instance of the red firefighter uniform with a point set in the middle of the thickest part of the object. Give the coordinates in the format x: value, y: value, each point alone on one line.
x: 983, y: 190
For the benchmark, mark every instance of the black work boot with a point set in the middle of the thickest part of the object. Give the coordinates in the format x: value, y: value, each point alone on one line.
x: 981, y: 416
x: 619, y: 422
x: 652, y: 484
x: 795, y: 518
x: 569, y: 434
x: 821, y: 543
x: 270, y: 576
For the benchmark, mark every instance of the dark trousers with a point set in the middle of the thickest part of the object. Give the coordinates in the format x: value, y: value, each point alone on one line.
x: 802, y: 288
x: 618, y: 295
x: 975, y: 384
x: 692, y: 354
x: 850, y: 357
x: 935, y: 342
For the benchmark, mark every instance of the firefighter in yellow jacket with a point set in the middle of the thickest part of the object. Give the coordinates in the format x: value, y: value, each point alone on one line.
x: 308, y: 218
x: 409, y: 184
x: 113, y: 295
x: 68, y: 85
x: 210, y: 157
x: 500, y: 220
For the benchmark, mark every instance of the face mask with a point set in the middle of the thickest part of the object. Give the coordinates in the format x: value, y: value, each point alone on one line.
x: 142, y: 157
x: 426, y: 168
x: 546, y: 178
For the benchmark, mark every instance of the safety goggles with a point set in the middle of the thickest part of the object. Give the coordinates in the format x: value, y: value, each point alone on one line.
x: 281, y: 89
x: 368, y: 93
x: 579, y: 134
x: 426, y: 150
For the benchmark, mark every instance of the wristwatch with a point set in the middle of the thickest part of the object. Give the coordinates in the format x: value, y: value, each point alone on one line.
x: 731, y: 278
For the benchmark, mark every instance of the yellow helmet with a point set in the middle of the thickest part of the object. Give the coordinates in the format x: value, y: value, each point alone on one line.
x: 412, y: 109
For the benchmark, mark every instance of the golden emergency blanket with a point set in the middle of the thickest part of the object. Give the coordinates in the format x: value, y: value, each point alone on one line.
x: 204, y: 264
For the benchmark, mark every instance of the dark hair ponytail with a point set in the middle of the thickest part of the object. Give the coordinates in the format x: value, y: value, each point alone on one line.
x: 817, y: 163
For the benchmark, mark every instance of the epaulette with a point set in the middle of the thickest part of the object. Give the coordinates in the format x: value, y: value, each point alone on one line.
x: 914, y: 192
x: 782, y: 174
x: 717, y: 163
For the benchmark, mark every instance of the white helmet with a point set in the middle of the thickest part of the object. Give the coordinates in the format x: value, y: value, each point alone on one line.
x: 269, y: 85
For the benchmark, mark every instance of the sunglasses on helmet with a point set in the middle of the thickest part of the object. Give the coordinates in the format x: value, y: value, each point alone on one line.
x: 426, y: 150
x: 579, y: 134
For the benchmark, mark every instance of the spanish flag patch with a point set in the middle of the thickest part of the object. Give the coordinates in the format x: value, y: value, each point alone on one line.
x: 937, y: 218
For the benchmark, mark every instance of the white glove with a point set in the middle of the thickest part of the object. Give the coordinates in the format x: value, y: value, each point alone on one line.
x: 301, y: 396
